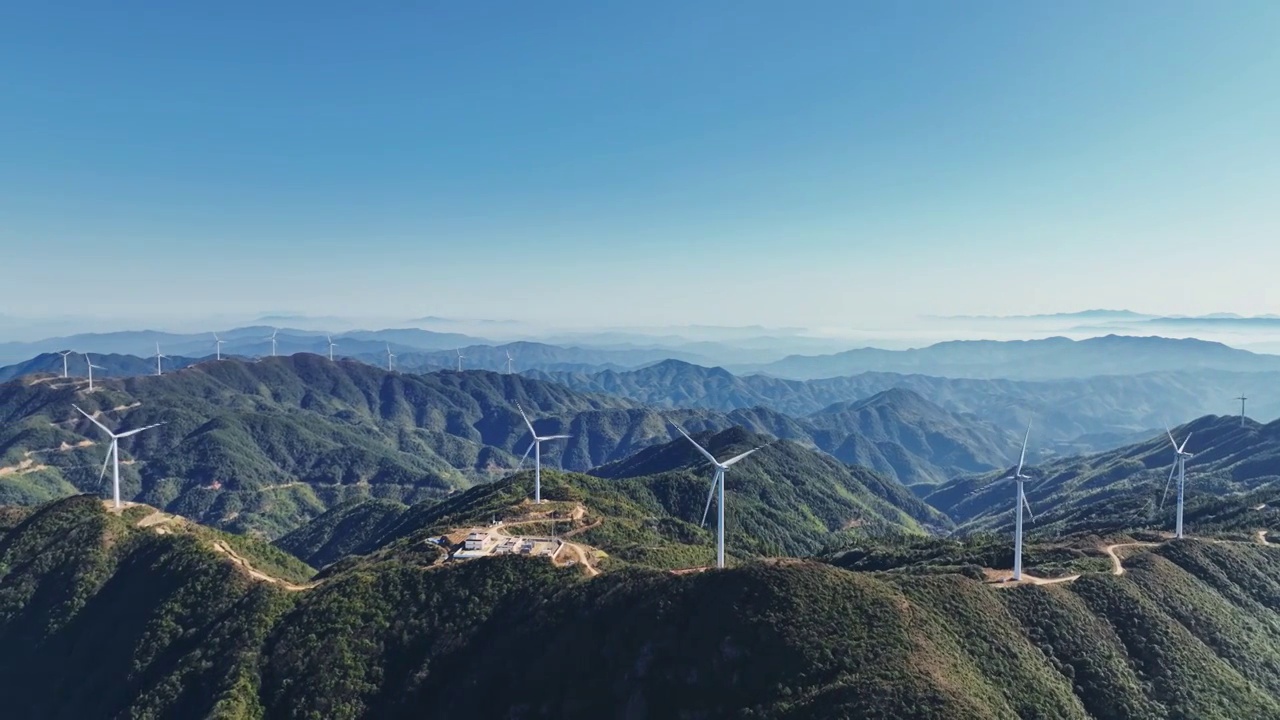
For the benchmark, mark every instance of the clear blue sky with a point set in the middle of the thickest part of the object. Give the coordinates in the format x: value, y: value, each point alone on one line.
x: 808, y: 163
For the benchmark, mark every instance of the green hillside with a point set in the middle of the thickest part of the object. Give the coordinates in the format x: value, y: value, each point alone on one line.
x: 1235, y: 468
x: 101, y: 617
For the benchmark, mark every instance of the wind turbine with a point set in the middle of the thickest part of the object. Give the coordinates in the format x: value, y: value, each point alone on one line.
x: 217, y: 345
x: 716, y: 482
x: 1242, y: 398
x: 113, y: 453
x: 390, y: 356
x: 536, y: 446
x: 272, y: 338
x: 333, y: 345
x: 89, y: 362
x: 1019, y: 479
x: 509, y: 361
x: 64, y: 362
x: 460, y: 356
x: 158, y: 356
x: 1180, y: 467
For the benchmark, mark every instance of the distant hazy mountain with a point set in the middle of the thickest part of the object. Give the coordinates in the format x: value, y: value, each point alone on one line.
x: 1054, y: 358
x: 248, y: 341
x: 900, y: 433
x: 1124, y: 487
x: 1071, y: 415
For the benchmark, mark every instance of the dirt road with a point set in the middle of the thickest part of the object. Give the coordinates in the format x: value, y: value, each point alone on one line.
x: 1262, y: 538
x: 225, y: 549
x: 1117, y: 568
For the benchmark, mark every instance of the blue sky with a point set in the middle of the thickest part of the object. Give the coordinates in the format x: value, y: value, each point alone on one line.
x: 814, y: 163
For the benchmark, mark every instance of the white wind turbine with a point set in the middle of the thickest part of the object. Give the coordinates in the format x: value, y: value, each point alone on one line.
x: 333, y: 345
x: 64, y: 361
x: 1180, y: 467
x: 89, y: 362
x: 113, y: 453
x: 158, y: 357
x: 509, y: 361
x: 1020, y: 480
x: 390, y: 356
x: 460, y: 356
x: 536, y: 446
x: 716, y: 482
x: 217, y: 345
x: 272, y: 338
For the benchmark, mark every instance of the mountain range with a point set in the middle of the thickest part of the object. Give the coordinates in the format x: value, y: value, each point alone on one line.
x: 1072, y: 416
x: 142, y: 615
x: 1234, y: 464
x: 264, y: 446
x: 1049, y: 359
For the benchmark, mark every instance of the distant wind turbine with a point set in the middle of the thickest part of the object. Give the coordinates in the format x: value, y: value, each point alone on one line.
x: 1180, y: 467
x: 717, y: 481
x: 64, y: 361
x: 89, y: 362
x: 113, y: 453
x: 1242, y: 398
x: 390, y: 356
x: 1019, y: 479
x: 332, y: 345
x: 272, y: 338
x: 509, y: 361
x: 217, y: 345
x: 158, y: 357
x: 460, y: 356
x: 536, y: 446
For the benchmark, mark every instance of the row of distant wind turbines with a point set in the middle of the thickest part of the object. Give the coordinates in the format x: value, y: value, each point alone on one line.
x: 217, y: 349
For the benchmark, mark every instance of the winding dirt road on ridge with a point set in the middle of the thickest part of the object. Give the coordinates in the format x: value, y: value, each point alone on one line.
x: 1117, y: 567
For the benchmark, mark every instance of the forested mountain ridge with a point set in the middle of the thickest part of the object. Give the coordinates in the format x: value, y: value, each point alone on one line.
x: 1072, y: 415
x: 265, y: 446
x: 785, y: 500
x: 100, y: 617
x: 1125, y: 487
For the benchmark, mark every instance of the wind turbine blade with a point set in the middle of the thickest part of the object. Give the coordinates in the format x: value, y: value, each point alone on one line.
x: 1023, y: 458
x: 1027, y: 503
x: 105, y: 460
x: 710, y: 494
x: 736, y: 458
x: 554, y: 437
x: 1172, y: 470
x: 701, y: 449
x: 1184, y: 443
x: 1170, y: 434
x: 138, y: 430
x: 94, y: 421
x: 526, y: 420
x: 526, y: 455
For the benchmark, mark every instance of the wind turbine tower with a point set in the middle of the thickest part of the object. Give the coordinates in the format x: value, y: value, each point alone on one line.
x: 158, y: 357
x: 272, y: 338
x: 217, y: 345
x: 460, y: 356
x: 509, y: 361
x: 333, y: 345
x: 390, y: 356
x: 1020, y: 480
x: 1180, y: 467
x: 1242, y: 398
x: 64, y: 362
x: 536, y: 446
x: 113, y: 453
x: 717, y: 482
x: 89, y: 362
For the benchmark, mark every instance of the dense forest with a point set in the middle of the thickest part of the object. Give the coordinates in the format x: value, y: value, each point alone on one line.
x: 102, y: 616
